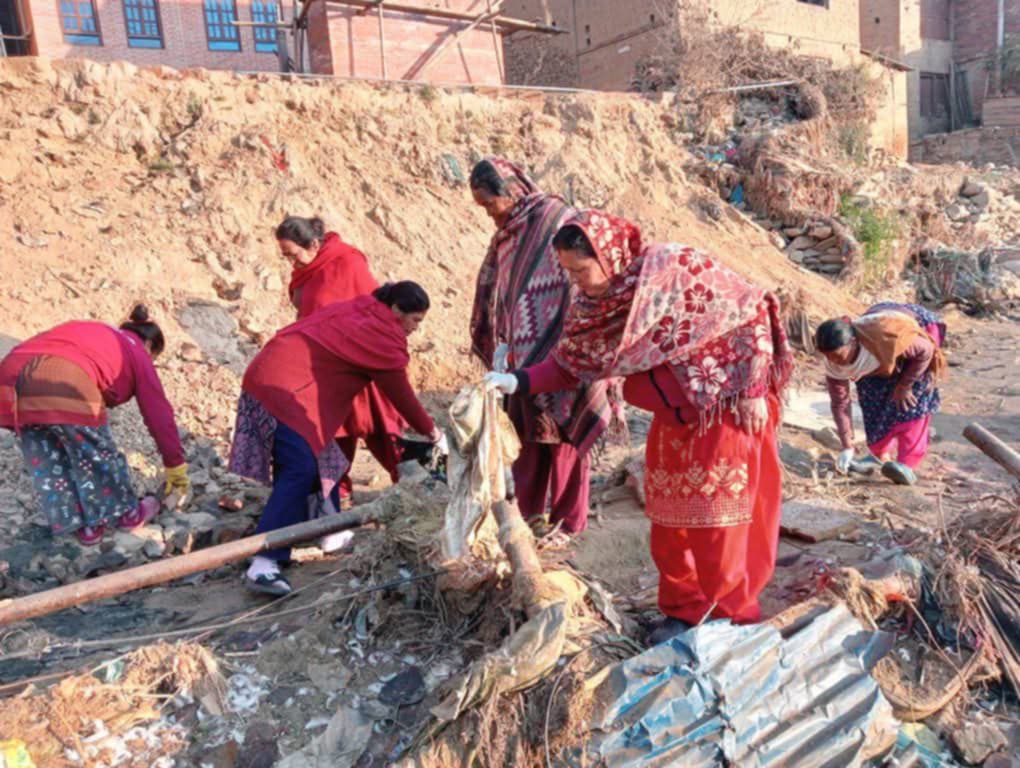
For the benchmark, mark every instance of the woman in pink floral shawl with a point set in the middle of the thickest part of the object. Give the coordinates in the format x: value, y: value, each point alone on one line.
x: 705, y: 351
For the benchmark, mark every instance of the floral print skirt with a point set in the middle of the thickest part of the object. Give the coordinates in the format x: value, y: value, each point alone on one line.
x: 80, y: 477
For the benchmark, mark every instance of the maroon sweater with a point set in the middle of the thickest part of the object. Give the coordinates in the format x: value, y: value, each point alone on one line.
x: 116, y: 361
x: 657, y: 390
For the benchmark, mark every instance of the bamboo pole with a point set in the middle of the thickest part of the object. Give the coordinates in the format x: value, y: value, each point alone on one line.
x: 497, y: 48
x: 162, y: 571
x: 994, y: 448
x: 455, y: 37
x: 382, y: 41
x: 518, y: 542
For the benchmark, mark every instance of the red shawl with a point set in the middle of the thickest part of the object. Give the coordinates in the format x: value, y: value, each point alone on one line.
x: 670, y: 304
x: 339, y: 272
x: 363, y: 332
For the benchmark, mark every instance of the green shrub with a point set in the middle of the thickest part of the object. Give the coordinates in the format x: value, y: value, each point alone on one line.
x: 876, y: 231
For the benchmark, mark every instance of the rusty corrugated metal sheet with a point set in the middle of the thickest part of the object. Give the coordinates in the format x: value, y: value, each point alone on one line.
x: 744, y: 695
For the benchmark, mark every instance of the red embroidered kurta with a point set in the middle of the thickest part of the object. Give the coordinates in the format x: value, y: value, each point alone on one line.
x: 116, y: 361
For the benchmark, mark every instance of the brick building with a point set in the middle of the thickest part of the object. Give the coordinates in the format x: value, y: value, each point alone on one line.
x: 180, y: 33
x: 607, y: 38
x: 950, y: 45
x: 455, y: 41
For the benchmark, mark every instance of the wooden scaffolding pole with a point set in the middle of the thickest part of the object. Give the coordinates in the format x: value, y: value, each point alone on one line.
x: 382, y: 41
x: 497, y: 47
x: 505, y: 24
x: 446, y: 44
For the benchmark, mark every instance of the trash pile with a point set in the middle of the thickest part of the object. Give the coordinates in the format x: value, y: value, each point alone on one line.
x: 981, y: 283
x: 113, y: 714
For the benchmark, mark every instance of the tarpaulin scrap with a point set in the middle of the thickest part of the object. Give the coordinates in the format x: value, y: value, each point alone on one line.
x: 485, y: 447
x: 721, y: 694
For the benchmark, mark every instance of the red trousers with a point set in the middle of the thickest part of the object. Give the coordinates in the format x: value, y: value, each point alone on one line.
x: 719, y: 572
x: 385, y: 448
x: 557, y: 473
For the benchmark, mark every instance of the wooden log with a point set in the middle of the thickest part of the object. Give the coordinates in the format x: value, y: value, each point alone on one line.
x: 994, y: 448
x: 162, y: 571
x: 518, y: 542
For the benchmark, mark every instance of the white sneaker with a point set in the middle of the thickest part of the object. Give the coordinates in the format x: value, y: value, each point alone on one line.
x: 336, y: 542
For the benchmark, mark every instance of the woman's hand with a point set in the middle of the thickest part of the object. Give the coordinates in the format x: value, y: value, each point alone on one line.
x: 177, y: 480
x: 439, y: 440
x: 501, y: 382
x: 904, y: 397
x: 752, y: 414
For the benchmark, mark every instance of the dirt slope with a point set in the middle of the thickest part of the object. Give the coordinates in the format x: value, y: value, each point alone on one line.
x: 121, y: 184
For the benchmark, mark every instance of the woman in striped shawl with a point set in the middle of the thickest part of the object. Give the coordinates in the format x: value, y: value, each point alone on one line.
x: 520, y: 300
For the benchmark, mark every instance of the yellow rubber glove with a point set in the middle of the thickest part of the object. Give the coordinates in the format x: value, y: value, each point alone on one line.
x: 177, y: 480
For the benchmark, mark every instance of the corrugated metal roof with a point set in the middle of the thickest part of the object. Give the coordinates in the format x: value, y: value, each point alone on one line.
x: 721, y: 694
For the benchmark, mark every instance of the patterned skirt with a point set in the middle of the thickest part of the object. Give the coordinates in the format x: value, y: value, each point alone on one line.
x: 251, y: 451
x: 79, y: 475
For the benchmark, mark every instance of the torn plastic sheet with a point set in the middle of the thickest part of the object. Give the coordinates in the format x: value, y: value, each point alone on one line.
x: 527, y: 655
x: 744, y: 695
x: 485, y: 447
x: 340, y: 746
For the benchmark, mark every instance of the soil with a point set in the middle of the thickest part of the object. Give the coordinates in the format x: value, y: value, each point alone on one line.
x: 121, y: 185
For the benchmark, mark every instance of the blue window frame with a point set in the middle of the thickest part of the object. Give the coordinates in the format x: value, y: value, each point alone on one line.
x: 220, y: 31
x: 264, y: 12
x: 141, y: 17
x: 79, y: 21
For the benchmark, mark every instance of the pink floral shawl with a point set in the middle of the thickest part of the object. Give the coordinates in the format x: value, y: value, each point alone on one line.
x: 670, y: 304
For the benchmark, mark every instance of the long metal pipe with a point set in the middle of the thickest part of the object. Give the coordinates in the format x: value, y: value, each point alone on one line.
x: 162, y: 571
x: 994, y: 448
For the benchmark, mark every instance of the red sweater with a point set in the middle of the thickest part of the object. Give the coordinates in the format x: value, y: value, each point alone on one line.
x: 339, y: 273
x: 116, y: 361
x: 309, y: 373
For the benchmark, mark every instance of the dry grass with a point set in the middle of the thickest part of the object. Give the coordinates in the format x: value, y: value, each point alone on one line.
x: 77, y: 710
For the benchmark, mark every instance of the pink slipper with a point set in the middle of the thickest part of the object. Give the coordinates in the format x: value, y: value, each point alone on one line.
x: 147, y: 509
x: 89, y: 536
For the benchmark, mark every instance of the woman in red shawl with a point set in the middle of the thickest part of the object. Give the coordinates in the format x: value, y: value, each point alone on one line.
x: 520, y: 301
x: 704, y: 350
x: 307, y: 379
x: 326, y: 269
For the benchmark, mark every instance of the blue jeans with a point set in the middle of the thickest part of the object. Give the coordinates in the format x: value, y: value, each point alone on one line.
x: 295, y: 478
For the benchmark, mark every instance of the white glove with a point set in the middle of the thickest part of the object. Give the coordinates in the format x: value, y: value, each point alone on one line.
x: 442, y: 444
x: 500, y: 358
x: 844, y: 461
x: 502, y: 382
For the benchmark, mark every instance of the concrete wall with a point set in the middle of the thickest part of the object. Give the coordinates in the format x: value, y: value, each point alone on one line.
x: 607, y: 38
x: 346, y: 43
x: 890, y: 130
x: 184, y: 37
x: 975, y: 146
